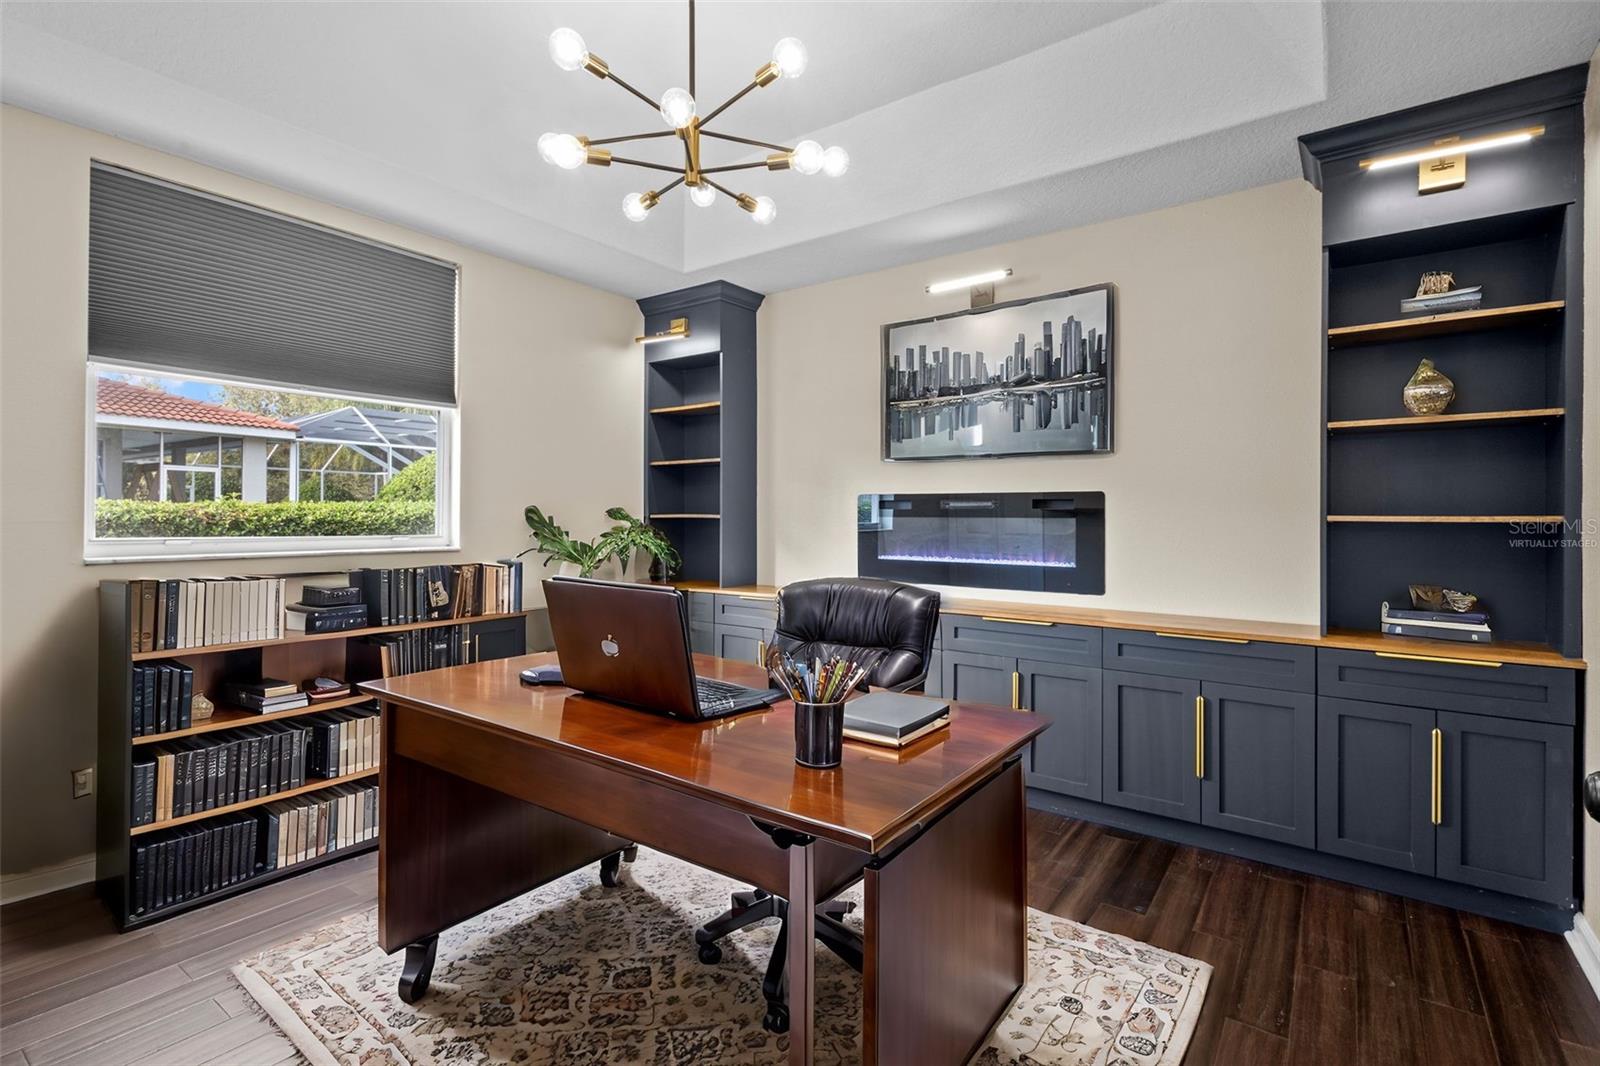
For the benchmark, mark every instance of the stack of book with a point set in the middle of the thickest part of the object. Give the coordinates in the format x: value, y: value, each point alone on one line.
x: 894, y: 719
x: 194, y: 612
x: 344, y: 742
x: 421, y: 649
x: 264, y: 695
x: 300, y: 829
x: 407, y: 594
x: 195, y: 774
x: 1470, y: 626
x: 193, y: 861
x: 1455, y: 300
x: 162, y: 698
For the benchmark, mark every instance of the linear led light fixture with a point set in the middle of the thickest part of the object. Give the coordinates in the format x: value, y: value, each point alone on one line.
x: 1453, y: 147
x: 677, y: 329
x: 988, y: 277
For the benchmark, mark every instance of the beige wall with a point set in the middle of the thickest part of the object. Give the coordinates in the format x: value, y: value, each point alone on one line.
x: 547, y: 370
x: 1212, y: 492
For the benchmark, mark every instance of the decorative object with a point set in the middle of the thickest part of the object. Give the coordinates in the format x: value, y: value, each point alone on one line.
x: 1438, y: 598
x: 818, y: 690
x: 1027, y: 377
x: 609, y: 975
x: 819, y: 734
x: 678, y: 108
x: 1428, y: 392
x: 582, y: 558
x: 200, y: 708
x: 1436, y: 292
x: 1443, y: 165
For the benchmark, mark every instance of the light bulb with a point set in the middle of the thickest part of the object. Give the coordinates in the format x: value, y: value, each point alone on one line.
x: 567, y: 49
x: 807, y: 157
x: 563, y: 150
x: 702, y: 195
x: 790, y: 55
x: 677, y: 107
x: 633, y: 206
x: 765, y: 210
x: 835, y: 161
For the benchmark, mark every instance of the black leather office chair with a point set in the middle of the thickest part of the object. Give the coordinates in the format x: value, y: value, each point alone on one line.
x: 851, y: 617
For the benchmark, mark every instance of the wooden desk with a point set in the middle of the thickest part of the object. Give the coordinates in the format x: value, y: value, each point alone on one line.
x: 491, y: 788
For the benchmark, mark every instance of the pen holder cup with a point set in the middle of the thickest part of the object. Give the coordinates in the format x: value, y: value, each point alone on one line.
x: 818, y: 734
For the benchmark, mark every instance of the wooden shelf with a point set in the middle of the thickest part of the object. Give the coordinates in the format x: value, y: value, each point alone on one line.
x: 687, y: 408
x: 302, y: 638
x: 1479, y: 418
x: 1432, y: 325
x: 233, y: 717
x: 1449, y: 519
x: 254, y: 881
x: 685, y: 462
x: 232, y: 808
x: 710, y: 516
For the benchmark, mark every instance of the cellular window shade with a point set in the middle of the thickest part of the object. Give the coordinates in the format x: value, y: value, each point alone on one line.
x: 185, y: 281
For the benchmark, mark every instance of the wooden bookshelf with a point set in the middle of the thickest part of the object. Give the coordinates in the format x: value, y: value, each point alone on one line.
x: 1402, y: 329
x: 345, y: 655
x: 233, y: 717
x: 304, y: 638
x: 1448, y: 519
x: 1477, y: 418
x: 685, y: 462
x: 244, y: 805
x: 687, y: 408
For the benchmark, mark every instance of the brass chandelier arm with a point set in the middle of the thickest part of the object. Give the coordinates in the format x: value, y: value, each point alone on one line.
x: 730, y: 194
x: 652, y: 104
x: 633, y: 137
x: 669, y: 186
x: 755, y: 83
x: 744, y: 140
x: 735, y: 166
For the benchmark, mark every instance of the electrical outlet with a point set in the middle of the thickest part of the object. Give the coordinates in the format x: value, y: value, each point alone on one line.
x: 82, y: 782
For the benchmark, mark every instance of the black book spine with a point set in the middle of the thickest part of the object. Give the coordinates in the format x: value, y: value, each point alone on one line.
x: 185, y: 697
x: 386, y: 595
x: 160, y: 715
x: 170, y: 591
x: 136, y: 697
x: 139, y: 886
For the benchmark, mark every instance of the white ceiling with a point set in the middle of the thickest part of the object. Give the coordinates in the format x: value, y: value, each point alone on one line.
x: 967, y: 123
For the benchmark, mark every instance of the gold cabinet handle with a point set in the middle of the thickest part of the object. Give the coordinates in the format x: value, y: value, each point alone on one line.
x: 477, y: 653
x: 1200, y: 737
x: 1014, y: 621
x: 761, y: 653
x: 1438, y: 659
x: 1436, y: 809
x: 1016, y: 691
x: 1196, y: 636
x: 758, y: 599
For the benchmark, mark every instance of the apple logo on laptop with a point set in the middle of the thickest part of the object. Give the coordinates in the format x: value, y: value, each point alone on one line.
x: 610, y: 647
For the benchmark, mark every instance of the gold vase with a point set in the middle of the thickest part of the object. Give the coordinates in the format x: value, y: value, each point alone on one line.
x: 1428, y: 392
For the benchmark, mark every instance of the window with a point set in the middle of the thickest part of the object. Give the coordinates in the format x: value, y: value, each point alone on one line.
x: 258, y: 385
x: 184, y: 467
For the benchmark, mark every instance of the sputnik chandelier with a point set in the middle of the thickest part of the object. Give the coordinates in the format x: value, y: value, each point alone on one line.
x: 678, y: 109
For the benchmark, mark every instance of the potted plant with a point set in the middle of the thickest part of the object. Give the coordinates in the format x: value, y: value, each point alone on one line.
x: 631, y: 536
x: 579, y: 557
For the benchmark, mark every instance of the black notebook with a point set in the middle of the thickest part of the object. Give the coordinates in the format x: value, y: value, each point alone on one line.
x: 895, y: 718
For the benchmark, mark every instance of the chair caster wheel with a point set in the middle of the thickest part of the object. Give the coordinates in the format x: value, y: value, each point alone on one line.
x: 777, y: 1019
x: 609, y: 866
x: 710, y: 954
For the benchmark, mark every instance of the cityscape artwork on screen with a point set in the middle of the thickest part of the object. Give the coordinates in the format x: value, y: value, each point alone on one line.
x: 1031, y: 377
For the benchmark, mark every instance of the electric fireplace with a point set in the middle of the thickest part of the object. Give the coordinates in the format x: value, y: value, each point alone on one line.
x: 1038, y: 542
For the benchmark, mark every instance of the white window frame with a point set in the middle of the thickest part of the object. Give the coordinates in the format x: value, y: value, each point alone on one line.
x: 447, y: 499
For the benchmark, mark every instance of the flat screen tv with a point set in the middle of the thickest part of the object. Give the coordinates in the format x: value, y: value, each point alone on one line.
x: 1028, y: 377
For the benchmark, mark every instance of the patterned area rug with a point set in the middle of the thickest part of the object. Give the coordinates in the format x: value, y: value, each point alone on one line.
x: 575, y: 973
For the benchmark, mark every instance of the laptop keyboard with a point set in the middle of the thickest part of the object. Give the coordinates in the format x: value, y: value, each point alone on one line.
x: 718, y: 698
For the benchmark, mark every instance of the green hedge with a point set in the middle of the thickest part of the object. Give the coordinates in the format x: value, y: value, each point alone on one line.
x: 233, y: 518
x: 415, y: 482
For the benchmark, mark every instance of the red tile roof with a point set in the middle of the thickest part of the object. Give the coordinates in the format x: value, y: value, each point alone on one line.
x: 136, y: 401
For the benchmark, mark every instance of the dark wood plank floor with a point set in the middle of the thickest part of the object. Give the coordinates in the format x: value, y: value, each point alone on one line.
x: 1306, y: 970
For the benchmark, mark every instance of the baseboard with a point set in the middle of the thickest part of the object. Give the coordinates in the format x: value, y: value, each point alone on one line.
x: 14, y: 887
x: 1586, y: 947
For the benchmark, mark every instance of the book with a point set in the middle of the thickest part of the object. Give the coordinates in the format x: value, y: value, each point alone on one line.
x: 1407, y: 629
x: 893, y: 718
x: 332, y: 595
x: 1446, y: 618
x: 1455, y: 300
x: 303, y: 618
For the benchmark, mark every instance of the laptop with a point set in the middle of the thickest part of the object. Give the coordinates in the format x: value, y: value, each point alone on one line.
x: 629, y: 643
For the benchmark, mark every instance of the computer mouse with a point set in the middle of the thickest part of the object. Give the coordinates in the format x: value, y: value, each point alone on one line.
x: 542, y: 675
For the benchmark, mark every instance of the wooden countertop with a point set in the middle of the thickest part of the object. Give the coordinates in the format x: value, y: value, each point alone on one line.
x: 1508, y: 651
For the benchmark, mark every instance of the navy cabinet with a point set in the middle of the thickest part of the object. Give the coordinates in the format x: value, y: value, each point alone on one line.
x: 973, y: 678
x: 1066, y: 757
x: 740, y: 642
x: 1149, y: 744
x: 1374, y: 783
x: 1507, y: 799
x: 1259, y: 762
x: 499, y: 639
